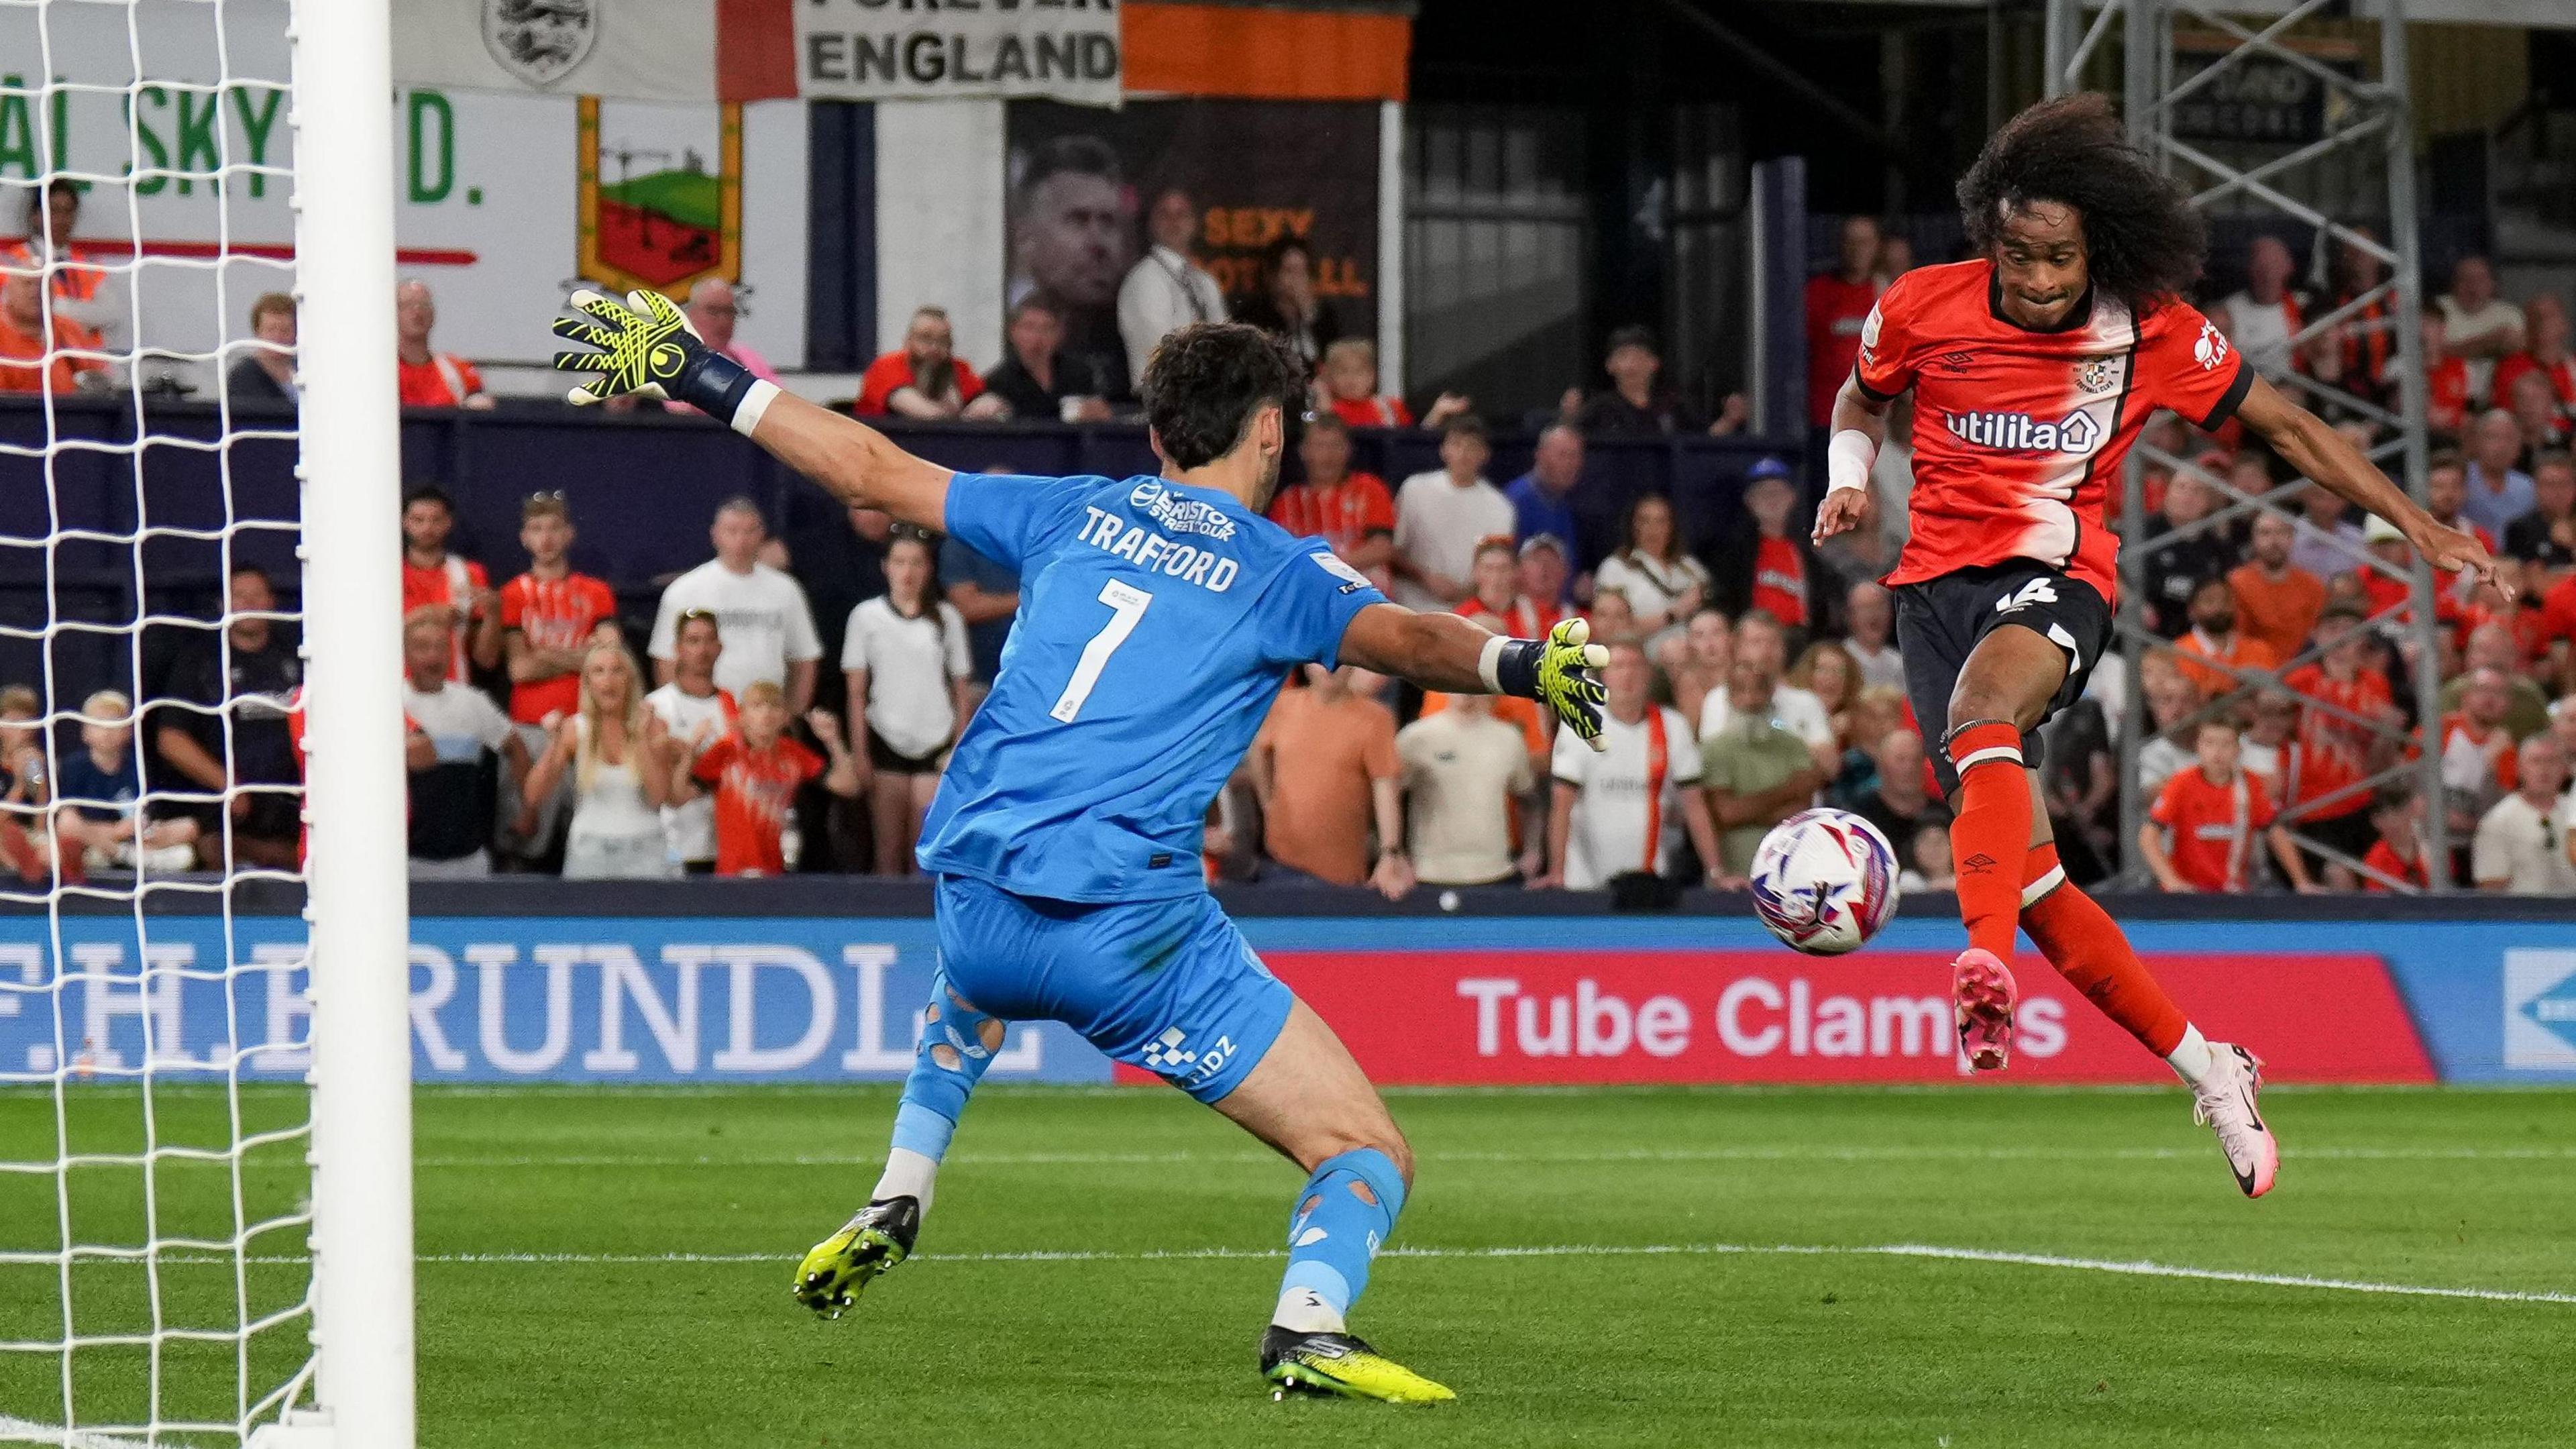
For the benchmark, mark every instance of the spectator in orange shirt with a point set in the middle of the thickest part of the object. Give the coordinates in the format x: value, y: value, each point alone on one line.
x: 755, y: 772
x: 429, y: 378
x: 1498, y: 600
x: 1838, y: 303
x: 925, y: 378
x: 2201, y: 831
x: 2333, y: 751
x: 2446, y: 380
x: 1353, y: 512
x: 433, y: 575
x: 2399, y: 854
x: 547, y: 615
x: 1325, y: 767
x: 2215, y: 639
x: 2276, y: 604
x: 23, y: 341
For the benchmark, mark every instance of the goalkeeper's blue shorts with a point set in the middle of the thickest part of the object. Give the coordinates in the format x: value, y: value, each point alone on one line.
x: 1167, y: 985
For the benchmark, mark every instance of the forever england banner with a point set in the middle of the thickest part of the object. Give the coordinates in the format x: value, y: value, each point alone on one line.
x: 748, y: 50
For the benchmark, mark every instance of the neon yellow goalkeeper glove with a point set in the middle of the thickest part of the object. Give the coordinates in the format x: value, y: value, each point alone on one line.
x: 1562, y: 672
x: 647, y: 348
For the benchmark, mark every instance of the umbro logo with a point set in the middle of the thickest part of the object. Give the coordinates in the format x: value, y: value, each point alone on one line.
x: 1956, y: 361
x: 1977, y: 864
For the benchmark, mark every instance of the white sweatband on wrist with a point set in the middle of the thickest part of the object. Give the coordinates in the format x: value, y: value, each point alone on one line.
x: 746, y: 414
x: 1489, y: 664
x: 1848, y: 458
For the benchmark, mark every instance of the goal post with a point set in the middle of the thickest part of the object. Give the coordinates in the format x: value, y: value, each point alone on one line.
x: 358, y: 905
x: 205, y: 1103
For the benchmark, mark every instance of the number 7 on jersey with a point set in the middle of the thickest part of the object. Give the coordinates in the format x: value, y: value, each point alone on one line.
x: 1126, y: 605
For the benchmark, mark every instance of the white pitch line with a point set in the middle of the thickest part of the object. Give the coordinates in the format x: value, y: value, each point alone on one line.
x: 2141, y: 1268
x: 28, y: 1431
x: 1642, y: 1155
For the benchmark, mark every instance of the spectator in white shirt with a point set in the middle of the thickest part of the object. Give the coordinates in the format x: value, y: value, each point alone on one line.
x: 1463, y: 768
x: 452, y: 801
x: 2261, y: 318
x: 1622, y: 809
x: 1167, y: 290
x: 1871, y: 614
x: 2522, y: 844
x: 1664, y: 584
x: 1441, y: 516
x: 768, y: 630
x: 907, y: 667
x: 2477, y: 325
x: 696, y: 714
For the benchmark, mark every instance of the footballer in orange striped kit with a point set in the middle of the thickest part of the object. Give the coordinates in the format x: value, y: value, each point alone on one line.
x: 2033, y: 368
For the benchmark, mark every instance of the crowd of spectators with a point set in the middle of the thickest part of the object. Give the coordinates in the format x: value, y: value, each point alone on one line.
x: 1751, y: 676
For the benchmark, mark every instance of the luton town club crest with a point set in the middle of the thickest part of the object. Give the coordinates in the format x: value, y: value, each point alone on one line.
x: 540, y: 41
x: 661, y: 195
x: 2096, y: 375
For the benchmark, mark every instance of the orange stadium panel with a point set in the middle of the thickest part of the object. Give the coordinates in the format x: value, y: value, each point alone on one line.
x: 1265, y: 53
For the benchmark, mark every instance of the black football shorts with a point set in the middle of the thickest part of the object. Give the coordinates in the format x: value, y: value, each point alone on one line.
x: 1939, y: 621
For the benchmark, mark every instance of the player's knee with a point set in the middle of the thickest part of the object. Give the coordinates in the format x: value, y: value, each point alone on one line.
x: 1384, y: 1140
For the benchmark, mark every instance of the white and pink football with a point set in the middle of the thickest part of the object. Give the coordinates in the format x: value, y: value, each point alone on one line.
x: 1824, y: 881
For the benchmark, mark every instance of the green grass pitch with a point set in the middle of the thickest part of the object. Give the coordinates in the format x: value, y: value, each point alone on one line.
x: 611, y: 1268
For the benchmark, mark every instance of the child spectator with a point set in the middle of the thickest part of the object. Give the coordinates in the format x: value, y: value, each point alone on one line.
x: 1498, y: 601
x: 1346, y: 387
x: 26, y: 836
x: 904, y: 656
x: 1766, y: 568
x: 754, y: 774
x: 2204, y: 823
x: 98, y: 795
x: 614, y: 749
x: 547, y: 615
x: 433, y: 576
x: 695, y: 714
x: 452, y: 796
x: 1664, y: 584
x: 2398, y: 855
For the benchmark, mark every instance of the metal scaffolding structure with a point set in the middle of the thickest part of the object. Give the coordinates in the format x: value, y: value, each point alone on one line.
x: 2362, y: 117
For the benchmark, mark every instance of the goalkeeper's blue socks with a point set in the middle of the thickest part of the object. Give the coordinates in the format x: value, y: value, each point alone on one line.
x: 1344, y: 1212
x: 956, y: 1048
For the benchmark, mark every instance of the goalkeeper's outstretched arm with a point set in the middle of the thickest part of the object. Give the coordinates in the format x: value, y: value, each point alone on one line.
x: 647, y: 348
x: 1448, y: 653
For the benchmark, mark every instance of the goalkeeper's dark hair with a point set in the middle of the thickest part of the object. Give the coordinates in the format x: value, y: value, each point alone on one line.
x: 2143, y: 240
x: 1206, y: 383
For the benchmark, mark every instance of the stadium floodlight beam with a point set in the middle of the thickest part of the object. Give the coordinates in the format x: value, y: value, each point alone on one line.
x: 359, y: 906
x: 2366, y: 116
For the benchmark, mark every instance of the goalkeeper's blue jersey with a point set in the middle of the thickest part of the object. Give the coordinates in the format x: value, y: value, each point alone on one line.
x: 1157, y: 622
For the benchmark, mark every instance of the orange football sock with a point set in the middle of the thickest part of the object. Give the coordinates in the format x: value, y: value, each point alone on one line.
x: 2086, y: 946
x: 1990, y: 839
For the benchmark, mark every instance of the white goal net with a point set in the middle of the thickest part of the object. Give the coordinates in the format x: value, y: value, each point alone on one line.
x: 191, y: 1176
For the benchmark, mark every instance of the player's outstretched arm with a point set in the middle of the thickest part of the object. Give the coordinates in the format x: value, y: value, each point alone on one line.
x: 2306, y: 443
x: 1448, y: 653
x: 647, y: 348
x: 1860, y: 426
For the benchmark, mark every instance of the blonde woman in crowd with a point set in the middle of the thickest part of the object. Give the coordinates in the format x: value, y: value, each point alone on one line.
x: 615, y: 748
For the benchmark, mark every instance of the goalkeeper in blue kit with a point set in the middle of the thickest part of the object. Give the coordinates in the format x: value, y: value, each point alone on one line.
x: 1159, y: 617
